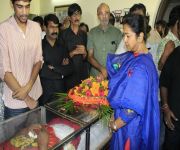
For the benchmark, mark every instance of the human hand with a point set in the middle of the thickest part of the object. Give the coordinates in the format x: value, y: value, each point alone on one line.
x: 104, y: 72
x: 100, y: 77
x: 34, y: 127
x: 115, y: 124
x: 168, y: 116
x: 30, y: 102
x: 73, y: 52
x: 81, y: 49
x: 43, y: 139
x: 111, y: 121
x: 50, y: 67
x: 65, y: 61
x: 21, y: 93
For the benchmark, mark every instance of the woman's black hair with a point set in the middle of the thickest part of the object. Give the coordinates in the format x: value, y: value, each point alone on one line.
x: 83, y: 24
x: 174, y: 16
x: 51, y: 17
x: 138, y: 6
x: 74, y: 8
x: 164, y: 25
x: 137, y: 23
x: 39, y: 20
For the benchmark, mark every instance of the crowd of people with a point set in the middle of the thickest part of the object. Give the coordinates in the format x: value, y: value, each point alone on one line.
x: 41, y: 57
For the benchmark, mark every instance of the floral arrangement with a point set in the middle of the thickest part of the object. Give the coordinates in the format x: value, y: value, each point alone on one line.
x: 90, y: 91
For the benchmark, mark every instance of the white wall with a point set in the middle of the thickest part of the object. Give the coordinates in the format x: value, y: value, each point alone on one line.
x: 5, y: 9
x: 89, y: 7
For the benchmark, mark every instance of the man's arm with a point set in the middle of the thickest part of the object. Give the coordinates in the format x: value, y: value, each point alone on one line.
x: 34, y: 74
x: 35, y: 70
x: 12, y: 83
x: 165, y: 81
x: 168, y: 114
x: 95, y: 63
x: 169, y: 47
x: 22, y: 92
x: 164, y: 95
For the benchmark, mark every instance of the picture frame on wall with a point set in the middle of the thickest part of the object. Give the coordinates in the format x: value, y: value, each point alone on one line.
x: 61, y: 11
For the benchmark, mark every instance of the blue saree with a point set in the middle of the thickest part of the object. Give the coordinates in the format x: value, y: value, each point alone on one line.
x: 133, y: 85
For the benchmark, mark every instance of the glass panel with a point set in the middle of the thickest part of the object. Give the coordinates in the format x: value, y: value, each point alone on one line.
x: 83, y: 113
x: 14, y: 131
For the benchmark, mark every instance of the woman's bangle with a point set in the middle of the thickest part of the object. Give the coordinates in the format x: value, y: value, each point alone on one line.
x: 114, y: 126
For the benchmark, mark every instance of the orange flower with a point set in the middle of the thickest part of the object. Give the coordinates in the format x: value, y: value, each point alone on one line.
x: 104, y: 83
x: 90, y: 91
x: 95, y: 85
x: 94, y: 91
x: 105, y: 92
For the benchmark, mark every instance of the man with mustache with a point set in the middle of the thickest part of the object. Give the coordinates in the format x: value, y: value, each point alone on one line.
x: 20, y: 60
x: 102, y: 39
x: 74, y: 40
x: 56, y: 63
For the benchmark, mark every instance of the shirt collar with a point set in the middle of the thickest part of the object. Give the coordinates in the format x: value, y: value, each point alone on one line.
x: 14, y: 22
x: 108, y: 27
x: 46, y: 41
x: 172, y: 36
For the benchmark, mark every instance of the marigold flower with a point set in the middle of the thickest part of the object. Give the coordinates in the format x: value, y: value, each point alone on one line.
x: 90, y: 88
x: 104, y: 83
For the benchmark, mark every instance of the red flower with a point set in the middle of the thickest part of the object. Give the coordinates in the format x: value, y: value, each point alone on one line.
x: 101, y: 92
x: 79, y: 89
x: 88, y: 93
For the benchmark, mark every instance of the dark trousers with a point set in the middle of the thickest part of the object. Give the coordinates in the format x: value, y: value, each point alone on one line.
x: 8, y: 112
x: 162, y: 129
x: 50, y: 88
x: 172, y: 138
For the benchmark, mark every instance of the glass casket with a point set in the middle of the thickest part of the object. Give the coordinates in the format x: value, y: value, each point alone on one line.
x: 67, y: 131
x: 97, y: 132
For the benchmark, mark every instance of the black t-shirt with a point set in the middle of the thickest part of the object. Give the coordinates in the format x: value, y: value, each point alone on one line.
x: 69, y: 40
x: 54, y: 55
x: 170, y: 78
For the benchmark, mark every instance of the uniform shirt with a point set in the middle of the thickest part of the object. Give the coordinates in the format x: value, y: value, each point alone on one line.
x: 170, y: 78
x: 103, y: 42
x: 19, y: 51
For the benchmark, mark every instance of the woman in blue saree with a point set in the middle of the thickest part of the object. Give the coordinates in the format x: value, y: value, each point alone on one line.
x: 133, y: 91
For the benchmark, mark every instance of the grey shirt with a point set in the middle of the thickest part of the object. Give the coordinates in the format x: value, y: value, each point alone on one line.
x: 103, y: 42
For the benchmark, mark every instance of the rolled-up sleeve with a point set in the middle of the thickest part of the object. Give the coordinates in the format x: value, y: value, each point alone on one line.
x: 90, y: 41
x: 39, y: 56
x: 4, y: 54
